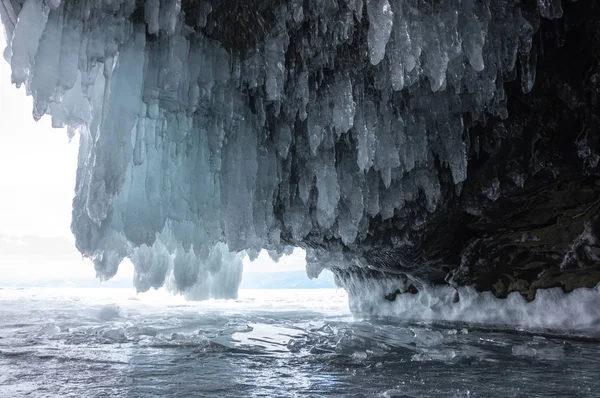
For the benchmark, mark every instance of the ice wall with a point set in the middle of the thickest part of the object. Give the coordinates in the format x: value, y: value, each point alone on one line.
x: 261, y: 124
x: 551, y: 308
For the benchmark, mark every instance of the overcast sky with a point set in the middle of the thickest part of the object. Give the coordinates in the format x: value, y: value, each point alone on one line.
x: 37, y: 167
x: 37, y: 179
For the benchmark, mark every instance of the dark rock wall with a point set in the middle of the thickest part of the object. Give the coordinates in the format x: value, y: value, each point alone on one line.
x: 527, y: 216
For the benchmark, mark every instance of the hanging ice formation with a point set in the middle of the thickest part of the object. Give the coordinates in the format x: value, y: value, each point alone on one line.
x: 264, y: 124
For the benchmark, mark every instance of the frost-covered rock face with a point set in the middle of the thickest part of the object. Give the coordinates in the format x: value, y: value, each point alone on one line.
x: 385, y: 136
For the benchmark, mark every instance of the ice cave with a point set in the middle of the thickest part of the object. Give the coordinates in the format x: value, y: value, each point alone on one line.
x: 404, y: 144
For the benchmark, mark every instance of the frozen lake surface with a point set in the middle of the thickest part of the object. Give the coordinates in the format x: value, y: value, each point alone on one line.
x: 270, y: 343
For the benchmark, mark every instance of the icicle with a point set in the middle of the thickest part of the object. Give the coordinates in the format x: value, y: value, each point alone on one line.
x: 551, y: 9
x: 27, y: 34
x: 139, y: 151
x: 381, y: 21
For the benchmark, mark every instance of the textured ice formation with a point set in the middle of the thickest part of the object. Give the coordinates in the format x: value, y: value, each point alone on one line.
x: 551, y: 308
x: 260, y: 125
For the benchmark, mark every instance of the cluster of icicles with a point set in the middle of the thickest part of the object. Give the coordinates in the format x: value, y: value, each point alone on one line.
x: 186, y: 143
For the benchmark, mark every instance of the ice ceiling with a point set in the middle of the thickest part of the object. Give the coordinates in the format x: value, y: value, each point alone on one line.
x: 208, y: 128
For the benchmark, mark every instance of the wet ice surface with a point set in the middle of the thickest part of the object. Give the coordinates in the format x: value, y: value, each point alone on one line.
x: 284, y: 343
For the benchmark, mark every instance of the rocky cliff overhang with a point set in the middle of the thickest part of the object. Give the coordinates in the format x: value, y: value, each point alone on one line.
x: 426, y: 141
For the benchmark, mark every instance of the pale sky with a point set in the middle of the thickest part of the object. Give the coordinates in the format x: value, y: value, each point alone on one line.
x: 37, y: 167
x: 37, y: 179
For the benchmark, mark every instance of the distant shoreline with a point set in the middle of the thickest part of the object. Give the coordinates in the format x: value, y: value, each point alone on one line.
x: 250, y: 281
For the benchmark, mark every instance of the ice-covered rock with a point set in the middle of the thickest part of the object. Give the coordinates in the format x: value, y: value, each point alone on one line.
x: 333, y: 125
